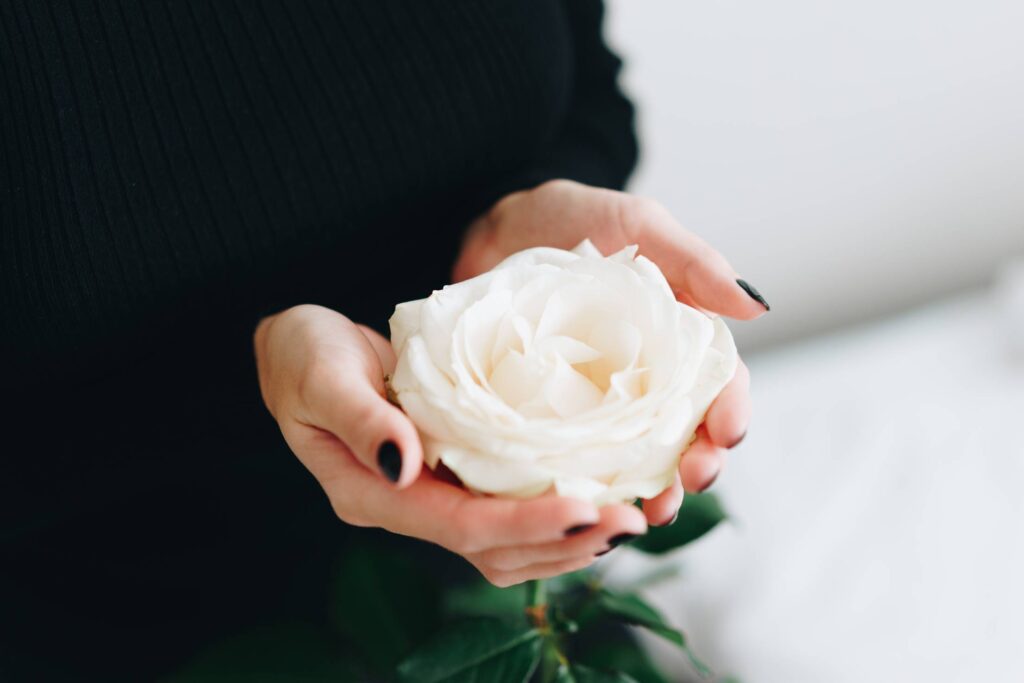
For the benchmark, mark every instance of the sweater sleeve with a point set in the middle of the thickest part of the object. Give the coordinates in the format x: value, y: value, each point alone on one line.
x: 596, y: 143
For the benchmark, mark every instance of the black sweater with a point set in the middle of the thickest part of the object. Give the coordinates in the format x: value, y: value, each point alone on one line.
x: 171, y: 171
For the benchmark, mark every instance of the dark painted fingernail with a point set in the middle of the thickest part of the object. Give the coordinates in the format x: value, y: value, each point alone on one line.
x: 710, y: 482
x: 753, y: 293
x: 620, y: 539
x: 671, y: 521
x: 615, y: 541
x: 389, y: 459
x: 578, y: 529
x: 738, y: 441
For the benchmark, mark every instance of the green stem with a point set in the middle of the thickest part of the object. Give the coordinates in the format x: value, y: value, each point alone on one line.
x: 536, y: 593
x: 537, y: 614
x: 537, y: 603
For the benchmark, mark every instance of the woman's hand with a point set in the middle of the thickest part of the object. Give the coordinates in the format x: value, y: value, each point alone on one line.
x: 322, y: 378
x: 562, y: 213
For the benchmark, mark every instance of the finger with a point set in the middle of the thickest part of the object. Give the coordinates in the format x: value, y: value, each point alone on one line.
x: 698, y: 274
x: 483, y: 522
x: 345, y: 395
x: 663, y: 508
x: 385, y: 352
x: 700, y: 464
x: 729, y: 414
x: 452, y: 517
x: 512, y: 558
x: 504, y: 579
x: 617, y: 521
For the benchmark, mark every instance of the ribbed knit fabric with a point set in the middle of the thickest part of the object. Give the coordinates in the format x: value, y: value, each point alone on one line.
x: 172, y: 170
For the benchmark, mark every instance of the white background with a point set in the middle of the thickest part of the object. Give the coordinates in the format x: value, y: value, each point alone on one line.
x: 849, y: 158
x: 863, y: 165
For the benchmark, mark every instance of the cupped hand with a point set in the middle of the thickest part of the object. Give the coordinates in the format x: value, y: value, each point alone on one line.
x: 322, y: 378
x: 562, y: 213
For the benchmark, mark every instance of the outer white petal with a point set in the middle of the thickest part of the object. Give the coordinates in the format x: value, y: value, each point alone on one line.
x: 506, y: 477
x: 581, y: 488
x: 416, y: 372
x: 405, y: 322
x: 646, y: 269
x: 587, y: 249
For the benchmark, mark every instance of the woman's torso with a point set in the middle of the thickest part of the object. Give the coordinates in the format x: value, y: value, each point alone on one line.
x: 168, y: 162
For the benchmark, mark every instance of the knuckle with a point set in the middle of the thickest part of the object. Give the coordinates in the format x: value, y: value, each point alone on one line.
x: 644, y: 210
x: 345, y: 512
x: 570, y: 510
x: 358, y: 521
x: 490, y: 574
x: 464, y: 538
x: 499, y: 578
x: 319, y: 372
x: 347, y: 505
x: 366, y: 412
x: 502, y: 561
x: 646, y: 207
x: 635, y: 213
x: 555, y: 185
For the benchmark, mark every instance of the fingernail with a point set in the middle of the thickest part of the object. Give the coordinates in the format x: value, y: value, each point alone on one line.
x: 671, y: 521
x: 389, y: 459
x: 578, y: 529
x: 620, y: 539
x: 615, y: 541
x: 753, y: 293
x: 709, y: 482
x: 738, y: 441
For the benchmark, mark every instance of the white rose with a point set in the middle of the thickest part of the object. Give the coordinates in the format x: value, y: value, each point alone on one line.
x: 560, y: 369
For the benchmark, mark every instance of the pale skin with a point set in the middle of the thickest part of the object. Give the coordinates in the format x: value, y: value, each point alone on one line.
x: 322, y: 378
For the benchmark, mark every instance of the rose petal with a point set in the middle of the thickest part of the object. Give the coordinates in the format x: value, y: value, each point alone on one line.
x: 570, y: 350
x: 570, y: 393
x: 573, y: 310
x: 586, y: 249
x: 516, y: 380
x: 619, y: 343
x: 494, y: 475
x: 416, y: 372
x: 476, y: 330
x: 626, y: 385
x: 405, y: 322
x: 580, y: 488
x: 651, y: 274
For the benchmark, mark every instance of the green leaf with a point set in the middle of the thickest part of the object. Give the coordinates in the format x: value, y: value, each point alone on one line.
x: 633, y: 610
x: 577, y: 673
x: 581, y: 578
x: 383, y: 604
x: 700, y: 513
x: 617, y: 650
x: 483, y: 599
x: 482, y: 650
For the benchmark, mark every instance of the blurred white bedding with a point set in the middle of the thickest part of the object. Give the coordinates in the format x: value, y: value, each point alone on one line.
x: 878, y: 515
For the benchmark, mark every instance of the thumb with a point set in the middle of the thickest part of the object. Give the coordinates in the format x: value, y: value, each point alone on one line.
x: 699, y: 275
x: 348, y: 401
